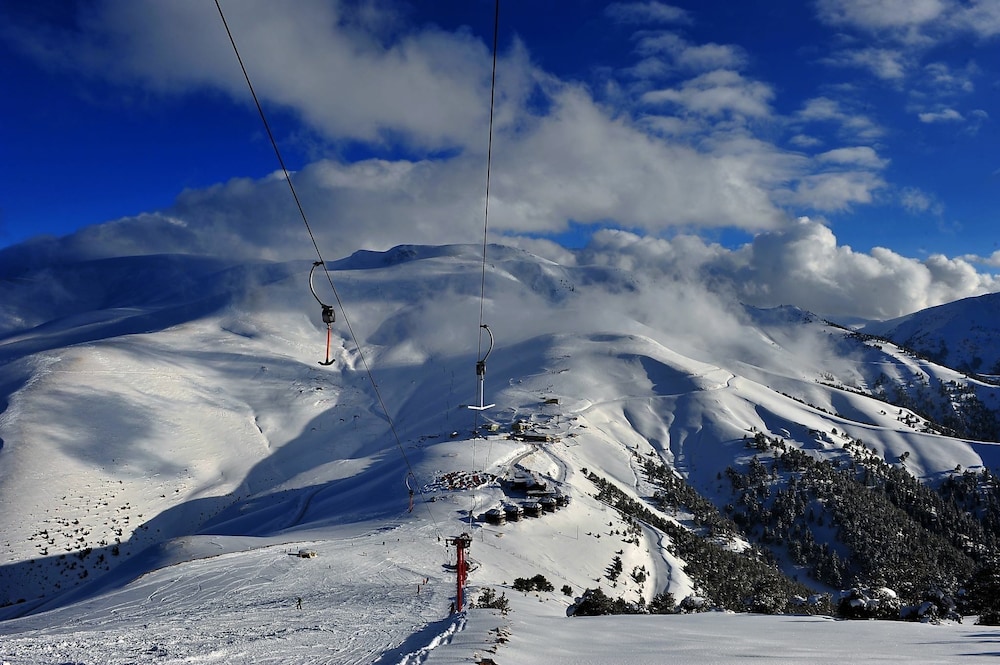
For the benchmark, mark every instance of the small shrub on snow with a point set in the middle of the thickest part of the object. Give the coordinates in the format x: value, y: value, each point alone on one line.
x: 536, y: 583
x: 663, y: 603
x: 523, y: 584
x: 542, y: 584
x: 693, y: 604
x: 595, y: 602
x: 935, y: 606
x: 817, y: 603
x: 927, y: 612
x: 865, y: 603
x: 489, y: 599
x: 989, y: 618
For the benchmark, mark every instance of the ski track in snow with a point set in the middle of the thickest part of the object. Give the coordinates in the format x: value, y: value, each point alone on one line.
x: 359, y: 600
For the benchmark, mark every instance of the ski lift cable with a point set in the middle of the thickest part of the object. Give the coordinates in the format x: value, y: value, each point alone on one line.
x: 481, y: 362
x: 274, y: 143
x: 322, y: 262
x: 481, y: 359
x: 489, y: 164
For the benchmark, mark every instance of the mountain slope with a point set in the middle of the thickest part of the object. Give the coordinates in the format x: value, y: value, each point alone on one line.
x: 210, y: 428
x: 961, y: 334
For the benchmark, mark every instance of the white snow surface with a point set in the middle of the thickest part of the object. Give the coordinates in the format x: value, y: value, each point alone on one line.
x: 164, y: 459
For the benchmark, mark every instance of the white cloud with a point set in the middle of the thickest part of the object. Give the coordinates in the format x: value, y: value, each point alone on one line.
x: 944, y: 115
x: 835, y: 191
x: 805, y: 141
x: 662, y: 125
x: 862, y: 156
x: 852, y: 125
x: 717, y: 93
x: 940, y: 89
x: 684, y: 156
x: 646, y: 12
x: 800, y: 264
x: 573, y: 164
x: 577, y: 164
x: 876, y: 15
x: 993, y: 260
x: 981, y: 17
x: 899, y: 33
x: 567, y: 159
x: 427, y: 87
x: 649, y: 68
x: 692, y: 156
x: 805, y: 264
x: 945, y: 79
x: 712, y: 56
x: 886, y: 64
x: 838, y: 179
x: 692, y: 57
x: 655, y: 43
x: 917, y: 201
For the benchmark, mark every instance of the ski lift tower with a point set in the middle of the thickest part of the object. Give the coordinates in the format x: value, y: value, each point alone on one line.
x: 461, y: 544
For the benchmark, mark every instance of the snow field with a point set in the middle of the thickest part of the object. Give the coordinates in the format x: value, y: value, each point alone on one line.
x: 537, y: 634
x: 360, y: 598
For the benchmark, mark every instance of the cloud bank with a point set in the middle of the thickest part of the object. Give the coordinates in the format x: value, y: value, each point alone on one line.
x: 894, y: 39
x: 682, y: 142
x: 692, y: 146
x: 801, y: 265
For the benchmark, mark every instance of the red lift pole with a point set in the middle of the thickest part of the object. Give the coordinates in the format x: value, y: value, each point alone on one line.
x: 461, y: 544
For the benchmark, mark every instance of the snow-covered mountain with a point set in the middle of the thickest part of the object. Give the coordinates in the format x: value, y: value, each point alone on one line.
x: 963, y: 334
x: 168, y: 438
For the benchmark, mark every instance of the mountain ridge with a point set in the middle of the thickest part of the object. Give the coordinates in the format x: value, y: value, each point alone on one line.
x: 961, y: 334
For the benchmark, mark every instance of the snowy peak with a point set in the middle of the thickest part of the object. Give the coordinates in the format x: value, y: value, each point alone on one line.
x: 962, y: 334
x: 781, y: 315
x: 367, y: 259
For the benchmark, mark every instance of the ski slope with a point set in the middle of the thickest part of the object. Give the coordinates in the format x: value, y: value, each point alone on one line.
x: 360, y: 604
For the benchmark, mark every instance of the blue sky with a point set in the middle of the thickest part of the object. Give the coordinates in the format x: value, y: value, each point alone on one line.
x: 826, y: 130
